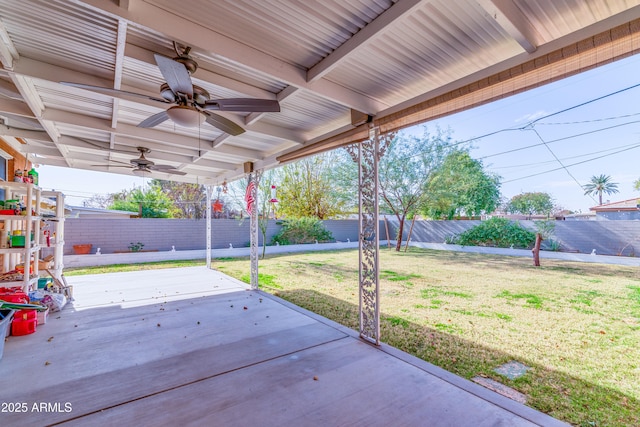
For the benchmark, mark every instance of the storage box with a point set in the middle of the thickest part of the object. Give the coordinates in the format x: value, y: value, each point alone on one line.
x: 9, y: 295
x: 5, y: 320
x: 17, y: 241
x: 42, y: 317
x: 44, y: 281
x: 24, y: 322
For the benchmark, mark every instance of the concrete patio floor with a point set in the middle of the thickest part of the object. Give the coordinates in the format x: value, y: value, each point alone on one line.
x: 191, y: 346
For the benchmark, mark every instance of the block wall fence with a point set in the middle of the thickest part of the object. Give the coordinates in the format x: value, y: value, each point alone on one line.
x: 112, y: 235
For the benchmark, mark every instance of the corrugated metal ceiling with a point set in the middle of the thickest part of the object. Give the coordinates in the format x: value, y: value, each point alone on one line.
x: 319, y: 59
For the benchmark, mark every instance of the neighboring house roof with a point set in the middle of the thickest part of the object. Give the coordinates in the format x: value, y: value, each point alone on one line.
x: 623, y: 205
x: 81, y: 211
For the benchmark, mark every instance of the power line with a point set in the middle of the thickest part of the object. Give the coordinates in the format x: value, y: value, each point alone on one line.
x: 558, y: 139
x: 560, y: 162
x: 524, y: 165
x: 532, y: 122
x: 572, y: 164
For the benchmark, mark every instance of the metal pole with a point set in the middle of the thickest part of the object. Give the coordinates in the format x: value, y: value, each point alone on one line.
x: 209, y: 189
x: 253, y: 226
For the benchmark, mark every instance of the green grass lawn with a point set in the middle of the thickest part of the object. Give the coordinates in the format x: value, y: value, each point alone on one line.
x: 576, y: 325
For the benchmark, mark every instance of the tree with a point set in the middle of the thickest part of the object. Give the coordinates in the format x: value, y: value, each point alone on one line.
x: 305, y: 188
x: 461, y: 187
x: 189, y: 199
x: 544, y: 229
x: 405, y: 170
x: 530, y: 204
x: 636, y: 184
x: 600, y: 184
x: 150, y: 203
x: 99, y: 201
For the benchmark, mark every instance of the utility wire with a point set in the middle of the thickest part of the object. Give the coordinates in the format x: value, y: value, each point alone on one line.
x: 532, y: 122
x: 560, y: 162
x: 572, y: 164
x: 524, y: 165
x: 558, y: 139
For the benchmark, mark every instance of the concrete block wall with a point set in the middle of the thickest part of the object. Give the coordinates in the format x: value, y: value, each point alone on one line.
x: 606, y: 237
x: 111, y: 235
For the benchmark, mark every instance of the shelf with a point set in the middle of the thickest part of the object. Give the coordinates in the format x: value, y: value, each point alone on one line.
x: 19, y: 250
x: 14, y: 283
x: 20, y: 218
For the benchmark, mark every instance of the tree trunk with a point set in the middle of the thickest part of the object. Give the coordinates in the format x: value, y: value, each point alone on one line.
x: 400, y: 231
x: 536, y: 250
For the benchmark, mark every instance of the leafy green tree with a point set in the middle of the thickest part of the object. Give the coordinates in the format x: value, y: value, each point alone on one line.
x: 461, y: 187
x: 531, y: 203
x: 636, y: 184
x: 149, y: 203
x: 406, y: 168
x: 189, y: 199
x: 305, y: 188
x: 599, y: 184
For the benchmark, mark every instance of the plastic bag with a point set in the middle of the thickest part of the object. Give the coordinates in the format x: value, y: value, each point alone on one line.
x: 54, y: 301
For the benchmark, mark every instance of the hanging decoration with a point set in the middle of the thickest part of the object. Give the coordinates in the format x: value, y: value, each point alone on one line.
x: 273, y: 195
x: 217, y: 206
x: 248, y: 197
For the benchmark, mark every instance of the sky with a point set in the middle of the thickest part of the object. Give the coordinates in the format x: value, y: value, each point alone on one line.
x: 551, y: 139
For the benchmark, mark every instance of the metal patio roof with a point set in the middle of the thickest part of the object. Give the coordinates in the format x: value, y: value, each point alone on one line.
x: 337, y: 67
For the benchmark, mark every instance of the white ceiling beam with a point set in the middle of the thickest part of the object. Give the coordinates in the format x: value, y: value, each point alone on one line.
x: 363, y: 37
x: 508, y: 16
x: 17, y: 108
x: 180, y: 29
x: 38, y: 135
x: 8, y: 52
x: 9, y: 90
x: 121, y: 41
x: 32, y: 99
x: 141, y: 134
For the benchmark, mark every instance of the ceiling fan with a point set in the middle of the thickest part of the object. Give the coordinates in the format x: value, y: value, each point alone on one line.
x: 142, y: 165
x: 192, y: 104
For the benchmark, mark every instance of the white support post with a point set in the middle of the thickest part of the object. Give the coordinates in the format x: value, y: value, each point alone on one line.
x: 209, y: 190
x: 253, y: 228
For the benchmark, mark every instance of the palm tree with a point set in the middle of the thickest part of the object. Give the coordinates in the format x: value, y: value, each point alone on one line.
x: 600, y: 184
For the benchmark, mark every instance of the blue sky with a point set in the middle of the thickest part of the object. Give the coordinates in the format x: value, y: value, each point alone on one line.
x: 600, y: 137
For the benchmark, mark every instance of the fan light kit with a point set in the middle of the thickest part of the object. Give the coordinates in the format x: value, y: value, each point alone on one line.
x: 186, y: 116
x: 192, y: 105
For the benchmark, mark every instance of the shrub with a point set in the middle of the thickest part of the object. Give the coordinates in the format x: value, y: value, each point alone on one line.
x: 302, y: 230
x: 497, y: 232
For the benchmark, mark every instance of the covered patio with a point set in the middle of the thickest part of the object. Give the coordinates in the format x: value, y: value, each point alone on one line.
x: 89, y: 84
x: 191, y: 346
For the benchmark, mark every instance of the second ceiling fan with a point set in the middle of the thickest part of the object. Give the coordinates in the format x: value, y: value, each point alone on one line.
x: 192, y: 104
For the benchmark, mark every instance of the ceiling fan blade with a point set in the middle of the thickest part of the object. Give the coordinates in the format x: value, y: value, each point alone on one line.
x: 114, y: 92
x: 111, y: 166
x: 223, y: 123
x: 166, y: 169
x: 175, y: 74
x: 154, y: 120
x: 249, y: 105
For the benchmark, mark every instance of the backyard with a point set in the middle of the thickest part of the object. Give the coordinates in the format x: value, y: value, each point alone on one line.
x: 576, y: 326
